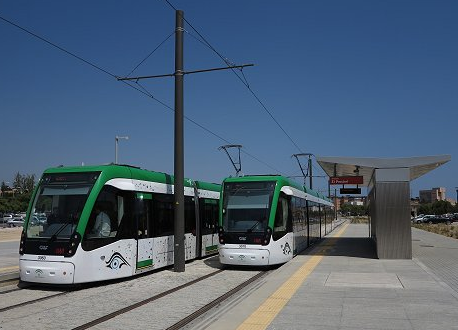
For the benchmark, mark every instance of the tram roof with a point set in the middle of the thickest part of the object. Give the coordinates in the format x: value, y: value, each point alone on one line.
x: 279, y: 178
x: 127, y: 171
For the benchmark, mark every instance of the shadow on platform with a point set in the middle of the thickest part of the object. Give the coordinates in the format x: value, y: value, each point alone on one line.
x: 357, y: 247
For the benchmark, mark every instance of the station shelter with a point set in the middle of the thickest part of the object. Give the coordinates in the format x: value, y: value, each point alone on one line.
x: 388, y: 185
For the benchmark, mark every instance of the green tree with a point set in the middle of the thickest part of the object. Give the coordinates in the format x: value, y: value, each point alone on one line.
x: 425, y: 208
x: 17, y: 183
x: 28, y: 182
x: 353, y: 209
x: 4, y: 187
x: 441, y: 207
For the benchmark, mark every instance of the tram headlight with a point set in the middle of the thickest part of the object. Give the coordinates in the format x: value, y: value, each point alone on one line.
x: 75, y: 239
x: 21, y: 244
x: 267, y: 236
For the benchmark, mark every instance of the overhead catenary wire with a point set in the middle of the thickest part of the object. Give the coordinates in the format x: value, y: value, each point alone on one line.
x: 151, y: 53
x: 58, y: 47
x: 245, y: 83
x: 140, y: 88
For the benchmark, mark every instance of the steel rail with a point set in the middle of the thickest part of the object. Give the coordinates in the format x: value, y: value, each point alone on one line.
x: 4, y: 309
x: 10, y: 290
x: 214, y: 303
x: 143, y: 302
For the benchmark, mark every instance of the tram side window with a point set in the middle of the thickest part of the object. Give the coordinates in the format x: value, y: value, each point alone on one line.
x: 189, y: 215
x: 144, y: 216
x: 282, y: 218
x: 162, y: 215
x: 304, y: 213
x: 298, y: 214
x: 208, y: 215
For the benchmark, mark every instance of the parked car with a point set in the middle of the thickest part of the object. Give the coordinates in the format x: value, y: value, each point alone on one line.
x: 7, y: 217
x: 15, y: 222
x: 424, y: 218
x: 38, y: 220
x: 438, y: 219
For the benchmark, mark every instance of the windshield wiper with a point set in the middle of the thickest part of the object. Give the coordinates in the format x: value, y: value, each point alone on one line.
x: 260, y: 221
x: 57, y: 232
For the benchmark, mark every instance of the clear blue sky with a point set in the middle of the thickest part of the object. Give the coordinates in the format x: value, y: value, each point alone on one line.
x: 343, y: 78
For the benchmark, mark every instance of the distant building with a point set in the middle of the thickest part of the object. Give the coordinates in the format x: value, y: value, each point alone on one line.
x: 360, y: 201
x: 433, y: 195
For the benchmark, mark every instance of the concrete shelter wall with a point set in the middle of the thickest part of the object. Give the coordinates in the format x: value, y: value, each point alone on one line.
x: 393, y: 234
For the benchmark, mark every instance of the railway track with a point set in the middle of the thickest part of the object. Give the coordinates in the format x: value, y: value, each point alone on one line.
x: 187, y: 319
x: 4, y: 309
x: 192, y: 300
x: 10, y: 290
x: 214, y: 303
x: 143, y: 302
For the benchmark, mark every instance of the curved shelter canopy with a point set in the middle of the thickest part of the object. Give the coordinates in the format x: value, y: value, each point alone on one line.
x: 388, y: 182
x: 347, y: 166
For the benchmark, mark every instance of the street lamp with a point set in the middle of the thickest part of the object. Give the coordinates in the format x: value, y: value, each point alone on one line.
x: 117, y: 138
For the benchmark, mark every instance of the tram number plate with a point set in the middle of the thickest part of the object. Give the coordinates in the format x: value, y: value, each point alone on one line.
x: 242, y: 246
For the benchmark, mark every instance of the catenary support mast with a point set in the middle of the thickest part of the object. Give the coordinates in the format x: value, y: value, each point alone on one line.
x: 179, y: 250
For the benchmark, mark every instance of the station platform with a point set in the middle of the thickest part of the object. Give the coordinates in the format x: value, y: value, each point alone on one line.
x: 337, y: 284
x: 340, y: 284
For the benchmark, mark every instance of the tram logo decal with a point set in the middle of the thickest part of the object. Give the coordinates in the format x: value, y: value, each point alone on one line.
x: 39, y: 273
x: 286, y: 249
x: 116, y: 261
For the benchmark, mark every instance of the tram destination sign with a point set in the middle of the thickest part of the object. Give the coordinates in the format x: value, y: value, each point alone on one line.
x: 344, y: 191
x: 346, y: 180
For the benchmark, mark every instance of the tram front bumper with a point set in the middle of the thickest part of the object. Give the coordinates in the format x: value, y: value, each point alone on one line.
x: 49, y: 272
x: 248, y: 257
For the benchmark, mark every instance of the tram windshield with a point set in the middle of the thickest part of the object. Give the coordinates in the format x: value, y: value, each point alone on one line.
x: 58, y: 204
x: 247, y: 206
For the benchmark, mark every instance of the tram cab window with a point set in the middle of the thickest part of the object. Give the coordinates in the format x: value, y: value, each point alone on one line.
x: 111, y: 218
x: 283, y: 219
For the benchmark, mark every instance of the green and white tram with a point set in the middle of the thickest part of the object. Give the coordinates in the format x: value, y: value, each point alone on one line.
x: 266, y: 220
x: 88, y: 224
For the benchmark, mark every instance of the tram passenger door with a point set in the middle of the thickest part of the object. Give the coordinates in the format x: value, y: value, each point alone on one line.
x: 145, y: 242
x: 208, y: 221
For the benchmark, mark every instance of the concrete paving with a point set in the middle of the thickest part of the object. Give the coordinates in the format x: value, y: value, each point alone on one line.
x: 351, y: 289
x: 9, y: 252
x: 338, y: 284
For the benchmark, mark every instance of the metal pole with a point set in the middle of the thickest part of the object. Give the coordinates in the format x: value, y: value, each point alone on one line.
x: 179, y: 250
x: 310, y: 171
x: 116, y: 150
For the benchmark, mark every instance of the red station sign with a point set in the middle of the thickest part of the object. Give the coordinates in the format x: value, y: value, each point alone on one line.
x: 346, y: 180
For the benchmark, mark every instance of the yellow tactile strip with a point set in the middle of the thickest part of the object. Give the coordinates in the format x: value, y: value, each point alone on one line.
x: 264, y: 315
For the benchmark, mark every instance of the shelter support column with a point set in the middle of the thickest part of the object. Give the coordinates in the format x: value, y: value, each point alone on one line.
x: 390, y: 203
